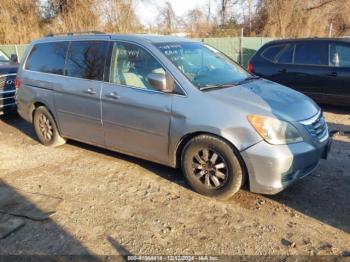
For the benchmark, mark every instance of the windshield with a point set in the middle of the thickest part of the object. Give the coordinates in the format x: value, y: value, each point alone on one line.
x: 203, y: 65
x: 3, y: 57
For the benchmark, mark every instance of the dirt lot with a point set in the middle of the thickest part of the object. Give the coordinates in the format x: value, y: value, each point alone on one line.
x: 115, y: 204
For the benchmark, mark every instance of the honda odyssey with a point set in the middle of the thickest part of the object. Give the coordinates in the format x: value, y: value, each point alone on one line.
x: 173, y: 101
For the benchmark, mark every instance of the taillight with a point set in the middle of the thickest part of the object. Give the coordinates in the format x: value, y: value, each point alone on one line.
x: 250, y: 68
x: 17, y: 83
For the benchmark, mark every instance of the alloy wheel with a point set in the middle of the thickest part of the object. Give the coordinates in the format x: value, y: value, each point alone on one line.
x: 45, y: 127
x: 210, y: 168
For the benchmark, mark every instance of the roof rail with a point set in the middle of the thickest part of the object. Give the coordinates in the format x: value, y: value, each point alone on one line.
x: 76, y: 33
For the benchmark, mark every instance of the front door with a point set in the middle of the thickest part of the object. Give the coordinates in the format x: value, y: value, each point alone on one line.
x: 77, y: 98
x: 308, y: 70
x: 136, y: 117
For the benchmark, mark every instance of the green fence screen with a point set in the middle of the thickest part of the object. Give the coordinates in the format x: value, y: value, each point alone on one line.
x: 239, y: 49
x: 8, y: 50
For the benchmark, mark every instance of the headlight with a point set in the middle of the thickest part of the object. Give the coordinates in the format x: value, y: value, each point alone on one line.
x: 275, y: 131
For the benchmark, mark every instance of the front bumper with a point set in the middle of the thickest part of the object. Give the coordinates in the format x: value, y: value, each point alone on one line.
x: 272, y: 168
x: 7, y: 93
x: 7, y: 101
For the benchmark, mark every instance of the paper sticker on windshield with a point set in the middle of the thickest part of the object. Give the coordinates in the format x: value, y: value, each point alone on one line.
x: 169, y: 46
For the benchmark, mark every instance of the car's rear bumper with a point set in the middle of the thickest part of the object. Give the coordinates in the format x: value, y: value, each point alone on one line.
x: 272, y: 168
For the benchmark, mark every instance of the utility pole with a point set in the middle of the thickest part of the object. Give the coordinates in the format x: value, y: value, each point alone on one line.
x: 330, y: 29
x: 241, y: 46
x: 209, y: 11
x: 223, y: 11
x: 250, y: 15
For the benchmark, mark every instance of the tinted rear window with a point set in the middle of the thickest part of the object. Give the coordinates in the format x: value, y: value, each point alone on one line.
x: 271, y: 52
x: 86, y: 59
x: 311, y: 53
x: 286, y: 57
x: 47, y: 58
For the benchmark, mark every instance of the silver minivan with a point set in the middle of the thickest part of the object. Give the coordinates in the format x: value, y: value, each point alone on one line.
x: 173, y: 101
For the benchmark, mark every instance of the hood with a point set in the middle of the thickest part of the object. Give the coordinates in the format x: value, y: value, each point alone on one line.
x: 8, y: 68
x: 268, y: 98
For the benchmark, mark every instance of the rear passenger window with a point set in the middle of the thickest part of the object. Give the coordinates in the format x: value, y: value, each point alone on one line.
x: 271, y: 52
x: 86, y: 59
x: 287, y: 55
x: 47, y: 58
x: 311, y: 53
x: 340, y: 55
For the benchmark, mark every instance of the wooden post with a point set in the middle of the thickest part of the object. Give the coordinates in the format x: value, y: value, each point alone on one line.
x: 330, y: 29
x: 17, y: 52
x: 241, y: 46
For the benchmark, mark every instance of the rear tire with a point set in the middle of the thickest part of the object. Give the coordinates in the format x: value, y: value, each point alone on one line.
x: 212, y: 167
x: 46, y: 128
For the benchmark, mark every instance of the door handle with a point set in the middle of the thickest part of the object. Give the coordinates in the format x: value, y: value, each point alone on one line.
x: 333, y: 74
x: 90, y: 91
x: 113, y: 95
x: 282, y: 70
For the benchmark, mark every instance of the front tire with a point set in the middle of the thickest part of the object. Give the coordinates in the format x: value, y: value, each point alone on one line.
x: 46, y: 128
x: 212, y: 167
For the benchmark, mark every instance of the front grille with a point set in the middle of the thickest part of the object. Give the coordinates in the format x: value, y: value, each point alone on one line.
x: 317, y: 127
x: 7, y: 82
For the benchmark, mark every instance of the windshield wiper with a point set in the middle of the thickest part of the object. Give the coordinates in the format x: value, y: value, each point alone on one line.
x: 216, y: 86
x: 249, y: 78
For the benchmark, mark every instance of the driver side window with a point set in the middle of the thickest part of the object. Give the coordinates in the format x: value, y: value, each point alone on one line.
x: 131, y: 65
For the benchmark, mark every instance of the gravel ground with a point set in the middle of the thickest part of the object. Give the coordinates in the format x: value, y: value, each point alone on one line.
x: 115, y: 204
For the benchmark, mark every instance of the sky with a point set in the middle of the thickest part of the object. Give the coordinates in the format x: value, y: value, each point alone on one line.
x: 147, y: 13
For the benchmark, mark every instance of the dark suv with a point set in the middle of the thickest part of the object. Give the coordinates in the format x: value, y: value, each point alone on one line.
x: 8, y: 70
x: 319, y: 68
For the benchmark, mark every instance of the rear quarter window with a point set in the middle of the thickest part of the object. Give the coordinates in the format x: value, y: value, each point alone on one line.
x: 47, y: 58
x: 311, y: 53
x: 271, y: 52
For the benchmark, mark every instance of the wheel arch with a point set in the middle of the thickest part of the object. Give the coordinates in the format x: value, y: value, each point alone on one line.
x: 34, y: 106
x: 37, y: 104
x: 186, y: 138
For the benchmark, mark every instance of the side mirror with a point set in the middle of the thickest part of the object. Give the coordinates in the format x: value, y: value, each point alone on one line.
x: 14, y: 58
x: 162, y: 82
